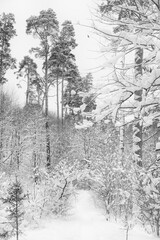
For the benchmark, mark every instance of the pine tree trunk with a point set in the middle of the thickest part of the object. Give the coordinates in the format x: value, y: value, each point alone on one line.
x: 12, y: 145
x: 18, y: 149
x: 35, y: 156
x: 121, y: 137
x: 57, y: 82
x: 1, y: 120
x: 157, y: 140
x: 27, y: 91
x: 137, y: 128
x: 62, y: 106
x: 16, y: 216
x: 157, y: 224
x: 38, y: 95
x: 48, y: 162
x: 122, y: 119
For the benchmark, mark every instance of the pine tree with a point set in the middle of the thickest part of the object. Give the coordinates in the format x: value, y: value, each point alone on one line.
x: 45, y: 28
x: 28, y: 69
x: 76, y: 85
x: 14, y: 201
x: 68, y: 43
x: 61, y: 61
x: 7, y: 32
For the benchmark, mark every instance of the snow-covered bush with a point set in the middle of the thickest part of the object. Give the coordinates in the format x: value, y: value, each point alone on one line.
x: 149, y: 198
x: 5, y: 228
x: 49, y: 196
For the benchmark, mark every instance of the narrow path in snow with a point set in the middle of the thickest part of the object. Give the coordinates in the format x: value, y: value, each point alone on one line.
x: 85, y: 222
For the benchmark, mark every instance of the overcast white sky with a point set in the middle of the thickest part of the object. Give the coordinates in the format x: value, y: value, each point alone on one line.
x: 74, y: 10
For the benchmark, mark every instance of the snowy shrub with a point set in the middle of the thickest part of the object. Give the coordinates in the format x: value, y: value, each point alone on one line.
x: 149, y: 198
x: 49, y: 197
x: 5, y: 228
x: 13, y: 204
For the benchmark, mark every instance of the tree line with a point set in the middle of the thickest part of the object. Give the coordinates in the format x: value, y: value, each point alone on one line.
x: 59, y: 67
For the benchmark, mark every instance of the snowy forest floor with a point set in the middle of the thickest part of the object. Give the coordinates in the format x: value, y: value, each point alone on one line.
x: 85, y: 222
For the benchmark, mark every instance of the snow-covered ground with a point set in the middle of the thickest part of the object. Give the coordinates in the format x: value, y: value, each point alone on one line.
x: 85, y: 222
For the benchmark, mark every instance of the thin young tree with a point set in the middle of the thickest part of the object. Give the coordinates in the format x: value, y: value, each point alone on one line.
x: 15, y: 210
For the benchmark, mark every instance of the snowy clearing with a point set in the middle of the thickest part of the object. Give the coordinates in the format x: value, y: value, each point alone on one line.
x: 85, y: 222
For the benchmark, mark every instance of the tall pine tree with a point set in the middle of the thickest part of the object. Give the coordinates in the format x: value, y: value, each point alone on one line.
x: 60, y: 61
x: 7, y: 32
x: 45, y: 28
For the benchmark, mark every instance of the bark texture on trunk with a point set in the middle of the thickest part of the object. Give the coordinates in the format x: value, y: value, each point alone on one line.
x: 57, y: 83
x: 137, y: 128
x: 28, y: 88
x: 121, y: 137
x: 48, y: 161
x: 62, y: 114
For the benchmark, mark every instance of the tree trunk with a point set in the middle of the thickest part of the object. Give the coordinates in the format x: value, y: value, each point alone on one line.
x: 122, y: 120
x: 18, y: 149
x: 28, y: 86
x: 38, y: 95
x: 17, y: 223
x: 48, y: 162
x: 157, y: 224
x: 62, y: 104
x: 121, y: 137
x: 35, y: 156
x: 157, y: 141
x: 57, y: 101
x: 137, y: 128
x: 1, y: 120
